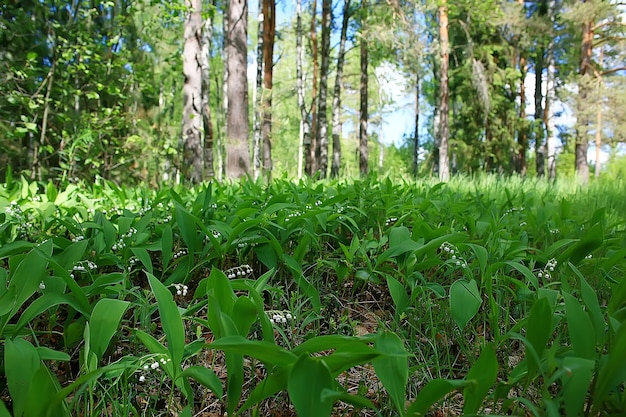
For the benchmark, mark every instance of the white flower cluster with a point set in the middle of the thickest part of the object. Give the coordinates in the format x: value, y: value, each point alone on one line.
x: 78, y: 238
x: 451, y: 250
x: 121, y: 243
x: 156, y: 365
x: 181, y: 252
x: 42, y: 286
x: 215, y: 234
x: 181, y: 289
x: 513, y: 210
x: 84, y: 266
x: 113, y: 212
x: 546, y: 271
x: 239, y: 271
x: 14, y: 210
x: 280, y: 317
x: 555, y: 231
x: 292, y: 215
x: 391, y: 221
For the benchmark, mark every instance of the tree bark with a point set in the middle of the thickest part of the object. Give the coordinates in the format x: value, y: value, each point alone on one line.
x: 444, y: 163
x: 258, y: 96
x: 305, y: 127
x: 522, y: 133
x: 312, y: 161
x: 539, y: 127
x: 192, y: 93
x: 598, y: 138
x: 336, y: 119
x: 238, y: 155
x: 207, y: 34
x: 416, y: 138
x: 322, y: 155
x: 363, y: 110
x: 582, y: 141
x: 269, y: 35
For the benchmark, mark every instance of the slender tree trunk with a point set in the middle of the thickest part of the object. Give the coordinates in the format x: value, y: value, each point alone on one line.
x: 539, y: 127
x: 416, y: 136
x: 582, y: 141
x: 206, y: 107
x: 598, y: 138
x: 269, y: 35
x: 221, y: 146
x: 551, y: 133
x: 444, y: 163
x: 522, y: 133
x: 363, y: 110
x: 258, y: 96
x: 336, y: 120
x: 192, y: 93
x: 238, y: 156
x: 36, y: 168
x: 327, y: 20
x: 304, y: 150
x: 313, y: 151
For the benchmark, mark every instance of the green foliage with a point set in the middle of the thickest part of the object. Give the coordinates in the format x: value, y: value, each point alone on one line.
x: 420, y: 292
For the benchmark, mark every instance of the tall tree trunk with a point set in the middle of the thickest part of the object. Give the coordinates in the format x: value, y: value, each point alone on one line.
x: 416, y: 136
x: 363, y: 110
x: 304, y: 151
x: 207, y: 34
x: 539, y: 128
x: 238, y: 156
x: 522, y: 133
x: 258, y: 96
x: 598, y: 138
x: 327, y: 20
x: 269, y: 34
x: 221, y: 145
x: 551, y: 133
x: 313, y: 161
x: 336, y: 120
x: 444, y: 163
x: 192, y: 93
x: 585, y: 70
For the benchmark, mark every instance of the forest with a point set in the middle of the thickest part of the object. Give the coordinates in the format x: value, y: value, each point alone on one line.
x: 392, y: 208
x: 149, y: 91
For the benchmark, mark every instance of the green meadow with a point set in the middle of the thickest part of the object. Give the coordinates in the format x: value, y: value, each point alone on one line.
x: 370, y: 297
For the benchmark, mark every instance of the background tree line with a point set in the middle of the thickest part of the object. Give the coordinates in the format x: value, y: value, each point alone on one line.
x: 94, y: 88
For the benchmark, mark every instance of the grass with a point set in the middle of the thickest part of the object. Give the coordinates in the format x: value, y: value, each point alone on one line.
x: 397, y: 298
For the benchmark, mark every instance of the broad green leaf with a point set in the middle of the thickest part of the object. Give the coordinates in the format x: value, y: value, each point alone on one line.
x: 464, y: 301
x: 244, y: 315
x: 21, y: 362
x: 392, y: 368
x: 580, y: 328
x: 591, y: 240
x: 612, y: 372
x: 42, y: 304
x: 187, y: 226
x: 28, y: 275
x: 308, y: 379
x: 590, y: 298
x: 104, y: 323
x: 435, y: 391
x: 166, y: 245
x: 309, y: 290
x: 44, y: 388
x: 47, y: 354
x: 72, y: 254
x: 576, y: 380
x: 206, y: 377
x: 3, y: 410
x: 480, y: 380
x: 357, y: 401
x: 398, y: 295
x: 170, y: 320
x: 538, y: 331
x: 269, y: 353
x: 144, y: 257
